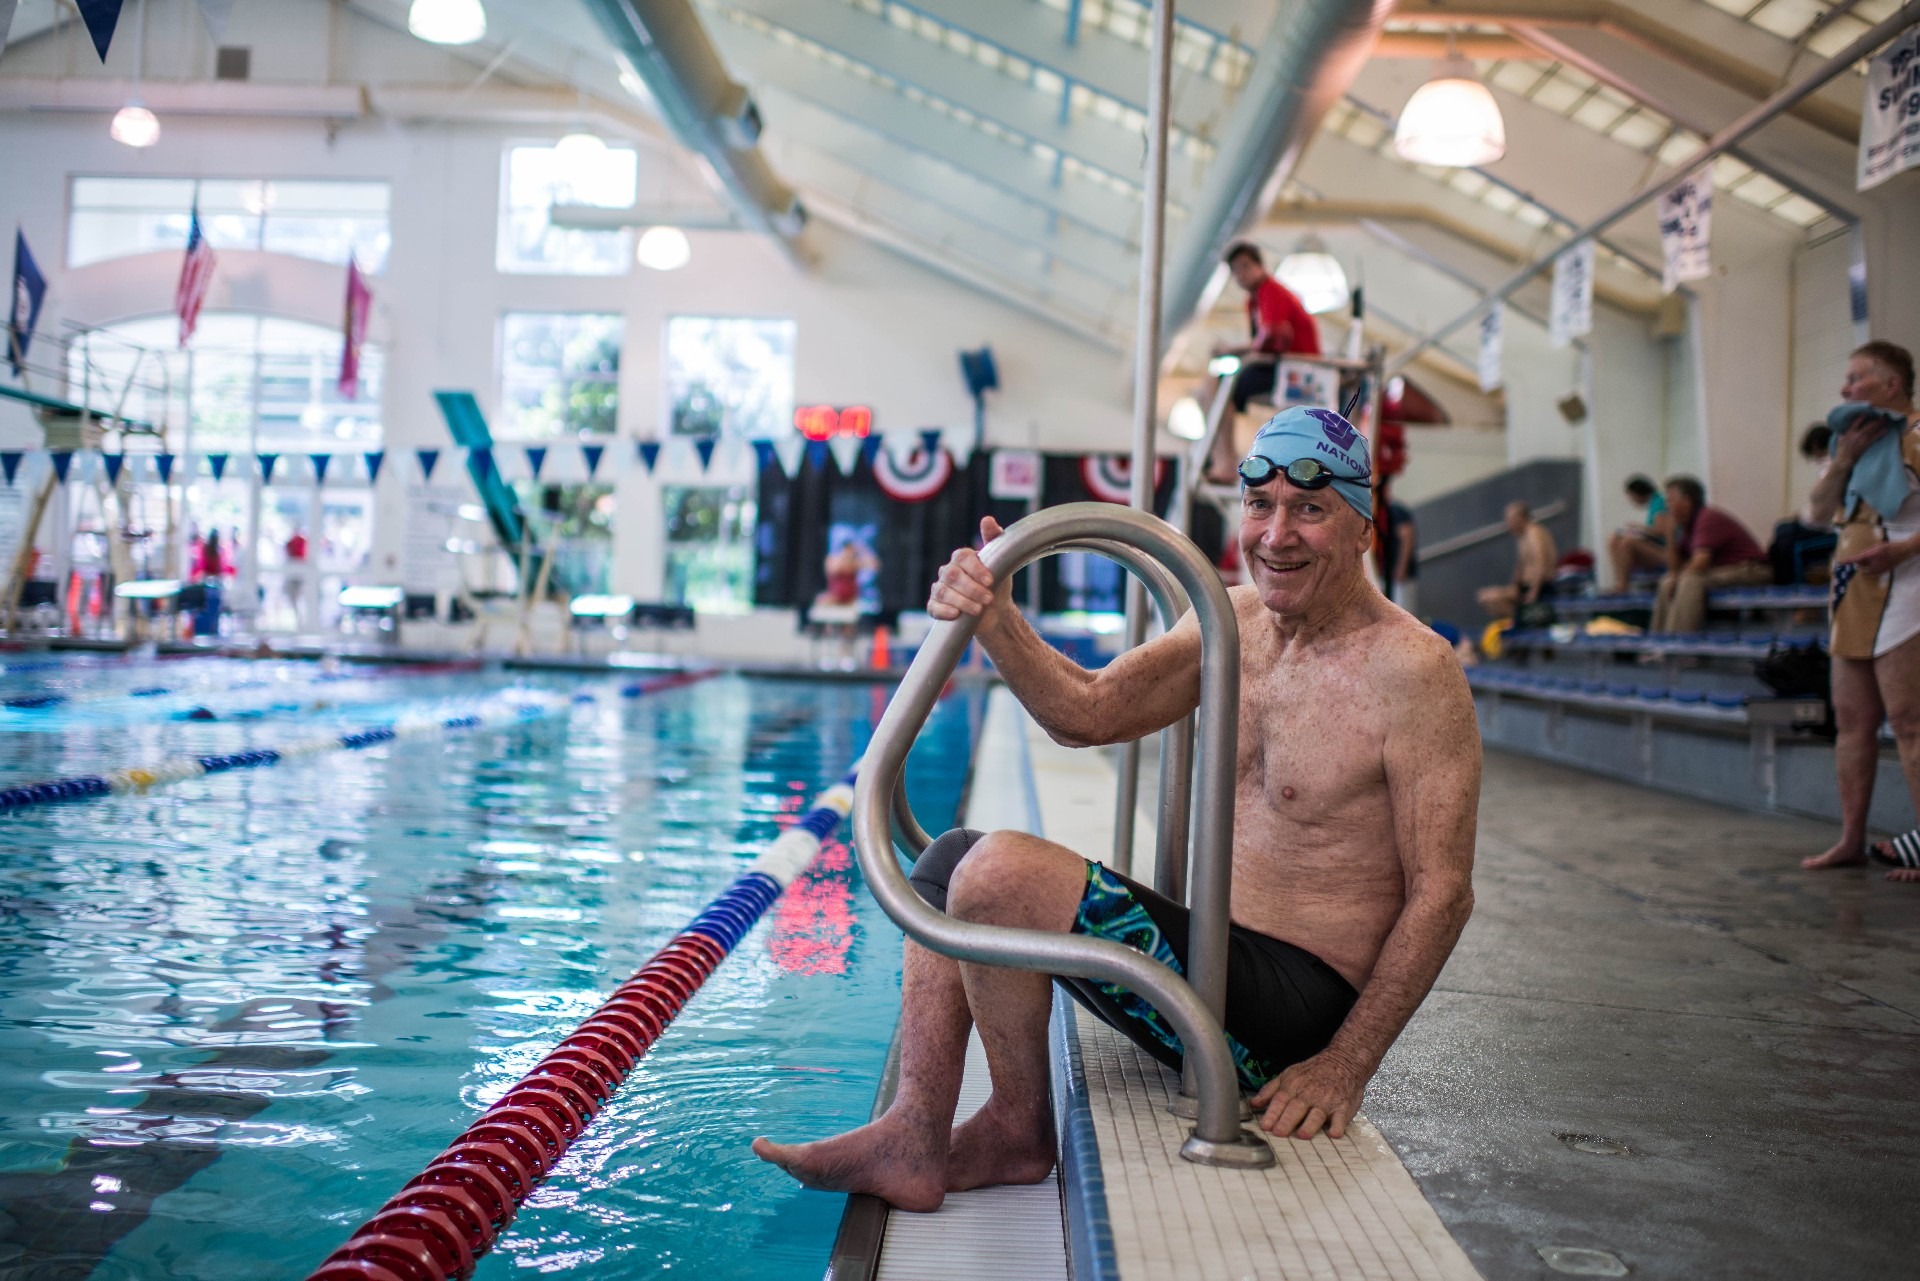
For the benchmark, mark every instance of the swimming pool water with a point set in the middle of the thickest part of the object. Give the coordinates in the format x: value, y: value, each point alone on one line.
x: 238, y: 1013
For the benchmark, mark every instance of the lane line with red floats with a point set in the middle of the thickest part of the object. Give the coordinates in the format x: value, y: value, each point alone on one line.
x: 447, y: 1217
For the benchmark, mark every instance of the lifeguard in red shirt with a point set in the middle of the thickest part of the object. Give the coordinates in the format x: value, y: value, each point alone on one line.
x: 1279, y: 326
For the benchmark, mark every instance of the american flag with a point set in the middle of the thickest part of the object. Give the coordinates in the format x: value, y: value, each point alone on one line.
x: 196, y: 273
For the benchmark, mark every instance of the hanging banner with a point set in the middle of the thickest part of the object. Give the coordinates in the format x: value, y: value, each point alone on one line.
x: 930, y: 439
x: 374, y: 458
x: 353, y: 332
x: 790, y: 450
x: 764, y: 455
x: 267, y: 463
x: 592, y: 455
x: 217, y: 464
x: 29, y: 291
x: 1572, y: 311
x: 924, y: 474
x: 846, y: 453
x: 1013, y: 475
x: 10, y: 464
x: 705, y: 447
x: 1109, y: 477
x: 101, y: 17
x: 481, y: 461
x: 870, y: 449
x: 320, y: 463
x: 1890, y: 118
x: 215, y: 14
x: 1492, y: 336
x: 817, y: 455
x: 163, y: 464
x: 536, y: 459
x: 649, y: 454
x: 112, y: 463
x: 961, y: 442
x: 1685, y: 211
x: 62, y: 459
x: 428, y: 458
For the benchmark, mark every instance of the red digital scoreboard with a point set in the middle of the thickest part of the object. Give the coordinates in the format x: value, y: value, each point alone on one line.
x: 824, y: 422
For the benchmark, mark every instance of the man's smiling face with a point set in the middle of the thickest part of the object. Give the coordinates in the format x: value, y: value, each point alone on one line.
x: 1298, y: 543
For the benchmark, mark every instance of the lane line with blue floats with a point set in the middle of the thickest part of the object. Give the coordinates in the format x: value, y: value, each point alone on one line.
x: 524, y: 708
x: 448, y: 1216
x: 51, y: 698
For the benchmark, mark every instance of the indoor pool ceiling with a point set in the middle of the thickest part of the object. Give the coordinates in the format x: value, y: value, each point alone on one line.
x: 999, y: 142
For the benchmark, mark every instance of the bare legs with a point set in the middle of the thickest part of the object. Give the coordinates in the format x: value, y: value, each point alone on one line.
x: 1896, y: 673
x: 1857, y: 713
x: 912, y: 1156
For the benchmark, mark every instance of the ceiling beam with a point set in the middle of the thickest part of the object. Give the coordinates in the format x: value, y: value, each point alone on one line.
x: 938, y: 71
x: 1736, y: 56
x: 1436, y: 45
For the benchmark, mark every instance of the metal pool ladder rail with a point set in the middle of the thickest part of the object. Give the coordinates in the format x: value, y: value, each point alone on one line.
x: 1195, y: 1005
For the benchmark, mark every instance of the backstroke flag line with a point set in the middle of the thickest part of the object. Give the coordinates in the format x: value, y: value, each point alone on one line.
x: 29, y: 291
x: 196, y: 273
x: 354, y: 331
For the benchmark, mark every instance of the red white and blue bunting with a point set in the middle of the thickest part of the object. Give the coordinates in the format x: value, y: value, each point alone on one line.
x: 922, y: 474
x: 1109, y: 477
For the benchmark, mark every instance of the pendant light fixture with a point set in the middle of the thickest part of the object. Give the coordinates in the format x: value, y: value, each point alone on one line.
x: 1452, y: 120
x: 133, y: 125
x: 1186, y: 419
x: 447, y: 21
x: 664, y: 249
x: 1314, y: 276
x: 580, y: 151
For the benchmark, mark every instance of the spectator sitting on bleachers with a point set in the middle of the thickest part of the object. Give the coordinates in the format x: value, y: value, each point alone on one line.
x: 1535, y: 556
x: 1641, y: 546
x: 1708, y: 549
x: 1801, y: 543
x: 1873, y: 485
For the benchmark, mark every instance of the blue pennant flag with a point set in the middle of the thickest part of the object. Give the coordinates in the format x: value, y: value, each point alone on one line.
x: 705, y: 447
x: 481, y: 460
x: 113, y: 463
x: 818, y: 454
x: 649, y: 454
x: 536, y: 459
x: 320, y: 464
x: 592, y: 454
x: 217, y: 464
x: 62, y: 459
x: 930, y: 440
x: 29, y: 291
x: 101, y: 16
x: 10, y: 463
x: 374, y: 458
x: 765, y: 454
x: 267, y: 464
x: 163, y: 463
x: 868, y: 449
x: 427, y: 457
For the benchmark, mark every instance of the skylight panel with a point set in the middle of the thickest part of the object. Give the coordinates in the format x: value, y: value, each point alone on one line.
x: 1798, y: 210
x: 1642, y: 130
x: 1761, y: 190
x: 1839, y: 33
x: 1518, y: 77
x: 1787, y: 18
x: 1559, y: 93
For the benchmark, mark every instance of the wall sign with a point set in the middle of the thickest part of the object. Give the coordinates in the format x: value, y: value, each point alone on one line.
x: 1014, y: 475
x: 1890, y: 117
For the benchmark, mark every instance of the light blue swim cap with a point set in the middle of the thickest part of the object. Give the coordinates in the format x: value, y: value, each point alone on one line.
x: 1321, y: 434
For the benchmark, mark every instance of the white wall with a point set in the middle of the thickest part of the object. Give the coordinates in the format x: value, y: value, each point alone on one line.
x: 872, y: 328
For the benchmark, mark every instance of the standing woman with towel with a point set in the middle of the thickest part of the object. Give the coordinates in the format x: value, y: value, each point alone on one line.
x: 1872, y: 488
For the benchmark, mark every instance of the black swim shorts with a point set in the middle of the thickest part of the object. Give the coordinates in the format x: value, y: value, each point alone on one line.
x: 1283, y: 1003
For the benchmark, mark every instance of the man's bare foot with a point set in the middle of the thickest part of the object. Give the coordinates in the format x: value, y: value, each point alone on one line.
x: 994, y: 1147
x: 1841, y: 855
x: 887, y: 1159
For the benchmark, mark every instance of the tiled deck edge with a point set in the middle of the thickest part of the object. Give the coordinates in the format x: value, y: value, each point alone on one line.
x: 1091, y: 1255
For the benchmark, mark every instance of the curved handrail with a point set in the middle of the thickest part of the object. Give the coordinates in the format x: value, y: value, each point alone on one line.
x: 1172, y: 602
x: 1193, y: 1006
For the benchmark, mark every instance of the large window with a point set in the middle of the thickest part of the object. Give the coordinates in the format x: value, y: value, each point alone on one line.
x: 710, y: 547
x: 325, y: 221
x: 730, y: 376
x: 541, y: 176
x: 241, y: 367
x: 559, y: 374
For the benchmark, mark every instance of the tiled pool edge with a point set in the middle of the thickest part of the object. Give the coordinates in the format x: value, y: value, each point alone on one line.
x: 1091, y: 1255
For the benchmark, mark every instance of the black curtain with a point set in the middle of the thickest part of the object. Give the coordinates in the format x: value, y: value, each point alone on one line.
x: 1081, y: 581
x: 914, y: 539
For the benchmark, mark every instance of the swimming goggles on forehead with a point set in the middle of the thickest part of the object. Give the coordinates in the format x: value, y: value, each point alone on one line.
x: 1301, y: 473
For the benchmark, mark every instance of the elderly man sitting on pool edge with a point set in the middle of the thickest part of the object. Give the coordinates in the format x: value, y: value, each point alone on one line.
x: 1358, y: 786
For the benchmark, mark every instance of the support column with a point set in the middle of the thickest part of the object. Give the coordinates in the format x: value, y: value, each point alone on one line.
x: 1890, y: 235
